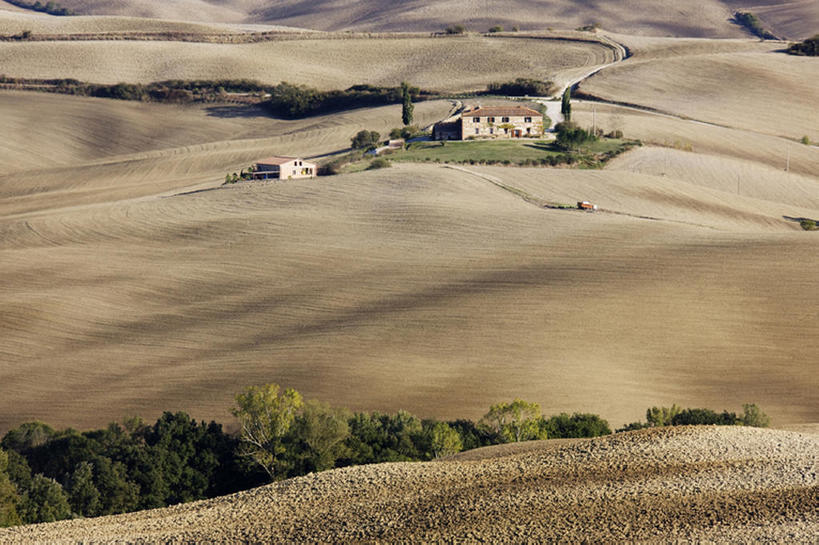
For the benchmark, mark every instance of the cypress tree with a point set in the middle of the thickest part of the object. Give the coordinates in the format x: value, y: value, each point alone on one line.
x: 566, y: 106
x: 406, y: 111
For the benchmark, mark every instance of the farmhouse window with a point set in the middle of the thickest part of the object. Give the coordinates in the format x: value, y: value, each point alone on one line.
x: 476, y: 119
x: 491, y: 130
x: 527, y: 119
x: 505, y: 120
x: 491, y: 119
x: 477, y: 130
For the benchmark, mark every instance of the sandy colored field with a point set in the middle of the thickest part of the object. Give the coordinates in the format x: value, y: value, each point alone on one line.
x: 700, y: 18
x: 791, y: 20
x: 103, y: 150
x: 418, y: 287
x: 701, y: 138
x: 442, y: 64
x: 771, y: 93
x: 14, y: 22
x: 669, y: 485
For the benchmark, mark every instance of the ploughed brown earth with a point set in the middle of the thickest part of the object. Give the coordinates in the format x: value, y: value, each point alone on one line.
x: 689, y: 484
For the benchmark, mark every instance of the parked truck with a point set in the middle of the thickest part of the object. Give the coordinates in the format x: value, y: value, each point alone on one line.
x: 586, y: 205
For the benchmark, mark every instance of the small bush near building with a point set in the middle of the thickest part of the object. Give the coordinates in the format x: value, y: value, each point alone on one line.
x: 365, y: 140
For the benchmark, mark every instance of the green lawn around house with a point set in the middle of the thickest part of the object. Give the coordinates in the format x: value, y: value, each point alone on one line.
x: 498, y: 151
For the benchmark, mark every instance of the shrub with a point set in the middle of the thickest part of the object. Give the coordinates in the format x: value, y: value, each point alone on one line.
x: 570, y: 136
x: 364, y: 139
x: 805, y: 140
x: 754, y: 417
x: 379, y: 162
x: 808, y: 225
x: 753, y: 24
x: 297, y: 101
x: 455, y: 29
x: 520, y: 87
x: 809, y: 47
x: 496, y: 28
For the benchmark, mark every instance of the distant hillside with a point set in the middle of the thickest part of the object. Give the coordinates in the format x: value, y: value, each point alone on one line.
x: 701, y: 18
x: 693, y: 484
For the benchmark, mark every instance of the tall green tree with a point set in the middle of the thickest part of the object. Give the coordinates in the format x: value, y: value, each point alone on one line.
x: 444, y: 441
x: 320, y: 431
x: 265, y: 415
x: 82, y: 493
x: 515, y: 421
x: 566, y: 104
x: 407, y: 107
x: 8, y: 495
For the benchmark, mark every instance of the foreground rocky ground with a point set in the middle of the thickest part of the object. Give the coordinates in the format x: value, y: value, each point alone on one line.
x: 685, y: 484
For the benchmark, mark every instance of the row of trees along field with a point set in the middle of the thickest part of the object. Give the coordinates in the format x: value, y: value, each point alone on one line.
x: 48, y: 474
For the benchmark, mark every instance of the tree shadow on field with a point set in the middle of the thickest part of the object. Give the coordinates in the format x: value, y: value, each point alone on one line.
x: 236, y: 111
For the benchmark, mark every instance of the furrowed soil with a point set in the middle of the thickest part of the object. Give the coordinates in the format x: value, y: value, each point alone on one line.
x: 418, y: 287
x: 692, y: 484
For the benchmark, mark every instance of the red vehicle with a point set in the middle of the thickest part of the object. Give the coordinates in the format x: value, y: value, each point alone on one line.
x: 586, y: 205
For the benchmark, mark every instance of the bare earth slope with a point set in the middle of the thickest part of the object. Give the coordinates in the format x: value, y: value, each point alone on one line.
x: 683, y: 485
x: 431, y: 63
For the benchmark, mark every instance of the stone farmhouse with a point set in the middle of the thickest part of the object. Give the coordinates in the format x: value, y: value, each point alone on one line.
x: 491, y: 122
x: 283, y: 168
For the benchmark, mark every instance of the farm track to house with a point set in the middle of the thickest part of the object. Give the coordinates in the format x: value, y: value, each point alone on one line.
x: 693, y: 484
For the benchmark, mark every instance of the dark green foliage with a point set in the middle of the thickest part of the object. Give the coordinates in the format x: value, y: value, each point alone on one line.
x: 52, y: 8
x: 43, y: 500
x: 82, y: 492
x: 753, y: 24
x: 27, y: 436
x: 377, y: 437
x: 496, y: 28
x: 365, y: 139
x: 690, y: 417
x: 570, y: 136
x: 455, y: 29
x: 633, y: 426
x: 181, y: 91
x: 406, y: 104
x: 474, y: 436
x: 520, y: 87
x: 577, y: 425
x: 297, y: 101
x: 566, y: 105
x: 809, y: 47
x: 8, y: 495
x: 808, y: 225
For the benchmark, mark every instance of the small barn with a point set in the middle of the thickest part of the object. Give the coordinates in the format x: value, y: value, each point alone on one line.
x: 283, y: 168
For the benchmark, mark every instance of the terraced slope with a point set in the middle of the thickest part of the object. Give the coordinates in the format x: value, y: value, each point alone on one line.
x: 687, y: 484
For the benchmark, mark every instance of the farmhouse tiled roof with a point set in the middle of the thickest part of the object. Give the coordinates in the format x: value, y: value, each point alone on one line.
x: 502, y: 111
x: 275, y: 160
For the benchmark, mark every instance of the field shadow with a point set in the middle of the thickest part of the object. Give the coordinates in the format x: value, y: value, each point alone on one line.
x: 799, y: 220
x: 236, y: 111
x: 542, y: 146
